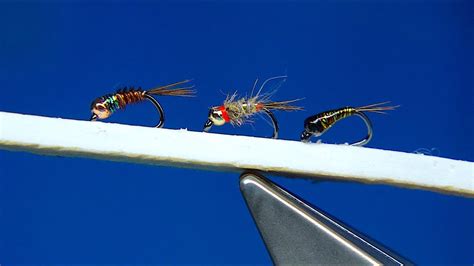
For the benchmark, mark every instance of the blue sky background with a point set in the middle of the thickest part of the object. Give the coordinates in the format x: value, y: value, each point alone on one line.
x: 56, y: 58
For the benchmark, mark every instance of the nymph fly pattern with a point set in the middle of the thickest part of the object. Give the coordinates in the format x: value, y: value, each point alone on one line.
x: 105, y: 106
x: 317, y: 124
x: 237, y: 111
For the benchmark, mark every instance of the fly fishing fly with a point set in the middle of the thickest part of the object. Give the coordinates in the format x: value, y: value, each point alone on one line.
x: 103, y: 107
x: 238, y: 111
x: 318, y: 124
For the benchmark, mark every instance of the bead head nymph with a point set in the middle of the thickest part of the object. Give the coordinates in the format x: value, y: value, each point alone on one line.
x: 100, y: 109
x: 218, y: 116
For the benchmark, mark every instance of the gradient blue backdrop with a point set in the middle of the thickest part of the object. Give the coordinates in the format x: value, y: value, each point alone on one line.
x: 56, y: 58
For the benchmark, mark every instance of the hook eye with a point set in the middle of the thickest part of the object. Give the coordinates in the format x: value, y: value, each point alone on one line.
x: 93, y: 117
x: 208, y: 125
x: 305, y: 136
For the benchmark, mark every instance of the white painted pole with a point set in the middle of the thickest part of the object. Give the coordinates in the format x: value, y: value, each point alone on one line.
x: 182, y: 148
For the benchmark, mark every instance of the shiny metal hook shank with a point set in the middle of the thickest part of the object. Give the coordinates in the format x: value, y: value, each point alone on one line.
x: 208, y: 125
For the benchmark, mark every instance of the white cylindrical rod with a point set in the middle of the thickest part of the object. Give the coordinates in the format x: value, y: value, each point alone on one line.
x: 182, y: 148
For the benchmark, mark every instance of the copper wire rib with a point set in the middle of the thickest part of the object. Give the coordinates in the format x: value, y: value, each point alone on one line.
x: 105, y: 106
x: 128, y: 96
